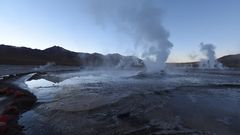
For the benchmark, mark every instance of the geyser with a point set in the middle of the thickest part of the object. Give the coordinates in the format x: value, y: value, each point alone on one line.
x: 141, y: 21
x: 210, y: 61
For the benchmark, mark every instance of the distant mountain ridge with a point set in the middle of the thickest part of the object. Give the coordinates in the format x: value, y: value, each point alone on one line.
x: 26, y: 56
x: 230, y: 60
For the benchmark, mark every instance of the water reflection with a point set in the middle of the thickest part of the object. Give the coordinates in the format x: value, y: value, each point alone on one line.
x: 42, y: 89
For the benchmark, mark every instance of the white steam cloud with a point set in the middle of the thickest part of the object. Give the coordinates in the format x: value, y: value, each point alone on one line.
x: 210, y: 62
x: 141, y: 20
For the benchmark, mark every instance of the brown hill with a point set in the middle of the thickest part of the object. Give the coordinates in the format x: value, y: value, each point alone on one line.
x: 26, y: 56
x: 230, y: 61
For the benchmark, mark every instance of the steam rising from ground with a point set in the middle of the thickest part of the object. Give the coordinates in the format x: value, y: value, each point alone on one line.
x: 141, y: 20
x: 44, y: 67
x: 210, y: 62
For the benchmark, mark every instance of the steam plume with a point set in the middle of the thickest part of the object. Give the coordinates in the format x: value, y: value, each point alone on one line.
x: 141, y: 19
x: 209, y: 51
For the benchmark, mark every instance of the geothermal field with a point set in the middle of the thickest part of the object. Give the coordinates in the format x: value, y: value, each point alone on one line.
x: 119, y: 67
x: 130, y: 102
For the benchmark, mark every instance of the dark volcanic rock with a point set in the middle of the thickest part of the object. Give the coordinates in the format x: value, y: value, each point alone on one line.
x: 19, y: 102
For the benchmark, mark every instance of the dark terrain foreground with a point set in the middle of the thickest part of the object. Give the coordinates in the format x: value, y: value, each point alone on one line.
x: 178, y: 102
x: 14, y: 101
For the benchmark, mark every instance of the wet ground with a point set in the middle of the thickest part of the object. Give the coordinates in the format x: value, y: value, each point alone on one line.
x: 191, y: 102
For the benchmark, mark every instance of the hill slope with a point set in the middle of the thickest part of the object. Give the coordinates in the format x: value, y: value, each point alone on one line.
x: 60, y: 56
x: 230, y: 60
x: 26, y: 56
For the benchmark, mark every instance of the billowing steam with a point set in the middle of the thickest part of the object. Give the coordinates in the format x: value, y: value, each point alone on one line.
x: 141, y: 20
x: 210, y: 61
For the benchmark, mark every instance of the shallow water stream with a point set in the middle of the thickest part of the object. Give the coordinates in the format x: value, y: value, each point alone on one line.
x: 122, y: 102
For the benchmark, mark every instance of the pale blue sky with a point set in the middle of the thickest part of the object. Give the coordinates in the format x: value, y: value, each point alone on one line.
x: 44, y: 23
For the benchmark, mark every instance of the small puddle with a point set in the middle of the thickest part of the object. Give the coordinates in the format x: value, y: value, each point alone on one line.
x: 39, y: 83
x: 43, y: 89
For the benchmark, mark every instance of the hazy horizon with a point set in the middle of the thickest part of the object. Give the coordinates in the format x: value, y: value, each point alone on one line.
x: 42, y: 24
